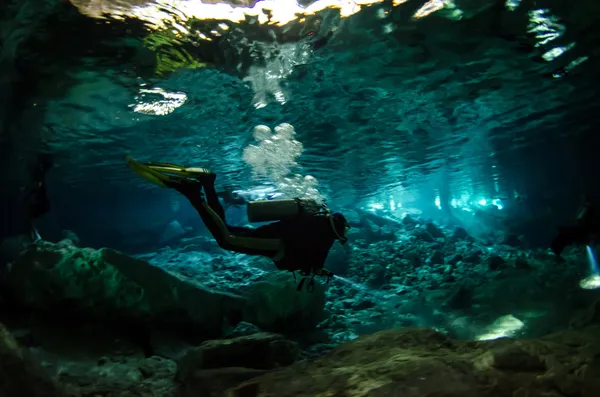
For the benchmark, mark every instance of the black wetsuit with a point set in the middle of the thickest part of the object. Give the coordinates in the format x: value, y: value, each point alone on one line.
x: 36, y: 198
x: 306, y: 241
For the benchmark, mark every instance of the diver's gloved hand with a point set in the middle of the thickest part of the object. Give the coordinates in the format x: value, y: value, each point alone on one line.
x: 323, y: 272
x: 311, y: 280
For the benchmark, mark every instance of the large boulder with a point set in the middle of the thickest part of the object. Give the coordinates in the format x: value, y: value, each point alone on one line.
x: 216, y: 382
x: 111, y: 286
x: 120, y: 376
x: 276, y: 305
x: 258, y: 351
x: 422, y: 362
x: 215, y: 365
x: 19, y: 375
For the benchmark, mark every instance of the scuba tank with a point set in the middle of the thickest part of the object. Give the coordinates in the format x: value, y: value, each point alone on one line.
x: 283, y: 209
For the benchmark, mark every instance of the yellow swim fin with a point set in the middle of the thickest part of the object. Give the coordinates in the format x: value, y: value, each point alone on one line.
x: 158, y: 173
x: 190, y: 172
x: 147, y: 173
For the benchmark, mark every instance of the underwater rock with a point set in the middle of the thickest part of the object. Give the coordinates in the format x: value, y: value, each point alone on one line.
x: 437, y: 258
x: 434, y: 231
x: 512, y: 358
x: 419, y: 362
x: 363, y: 303
x: 413, y: 257
x: 472, y: 256
x: 259, y: 351
x: 275, y: 304
x: 215, y: 382
x: 243, y: 329
x: 317, y: 350
x: 495, y: 262
x: 455, y: 259
x: 408, y: 221
x: 460, y: 233
x: 587, y: 316
x: 70, y: 235
x: 461, y: 297
x: 423, y: 235
x: 511, y: 240
x: 121, y: 376
x: 11, y: 247
x: 376, y: 276
x: 111, y: 286
x: 521, y: 263
x: 171, y: 232
x: 20, y: 376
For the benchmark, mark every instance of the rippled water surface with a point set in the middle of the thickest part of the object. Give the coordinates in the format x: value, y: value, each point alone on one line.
x: 389, y: 100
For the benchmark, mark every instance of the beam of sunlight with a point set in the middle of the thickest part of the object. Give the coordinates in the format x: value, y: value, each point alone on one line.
x: 593, y: 280
x: 592, y: 259
x: 357, y: 286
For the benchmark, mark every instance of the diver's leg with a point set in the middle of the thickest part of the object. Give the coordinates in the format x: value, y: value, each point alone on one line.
x: 212, y: 198
x: 189, y: 181
x: 237, y: 239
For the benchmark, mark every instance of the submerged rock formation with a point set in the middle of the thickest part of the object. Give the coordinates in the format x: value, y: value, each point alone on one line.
x: 275, y: 304
x: 20, y: 376
x: 215, y: 365
x: 422, y: 362
x: 109, y: 286
x: 401, y: 362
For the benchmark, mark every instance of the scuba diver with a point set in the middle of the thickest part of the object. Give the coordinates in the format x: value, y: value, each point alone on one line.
x: 300, y: 240
x: 35, y: 204
x: 583, y: 232
x: 36, y: 198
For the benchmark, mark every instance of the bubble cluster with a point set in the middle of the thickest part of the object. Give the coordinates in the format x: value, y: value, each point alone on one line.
x: 274, y: 155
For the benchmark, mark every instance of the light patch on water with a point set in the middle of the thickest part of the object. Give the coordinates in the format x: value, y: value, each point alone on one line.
x: 160, y: 14
x: 375, y: 206
x: 545, y: 26
x: 258, y: 193
x: 573, y: 64
x: 556, y: 52
x: 497, y: 203
x: 502, y: 327
x: 388, y: 28
x: 157, y: 102
x: 512, y: 5
x: 465, y: 203
x: 436, y: 5
x: 590, y: 282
